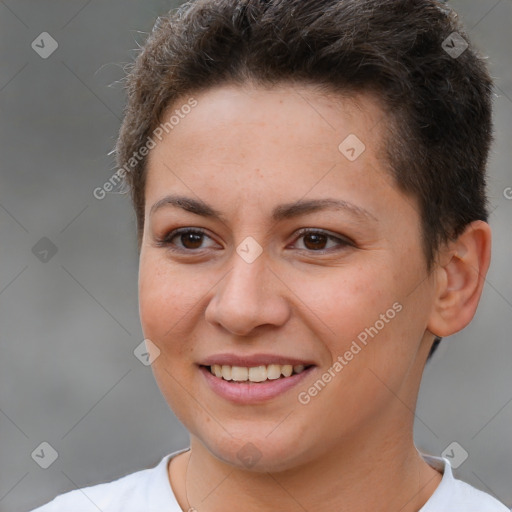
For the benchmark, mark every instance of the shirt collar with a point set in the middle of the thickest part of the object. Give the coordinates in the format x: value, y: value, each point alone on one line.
x: 162, y: 492
x: 441, y: 495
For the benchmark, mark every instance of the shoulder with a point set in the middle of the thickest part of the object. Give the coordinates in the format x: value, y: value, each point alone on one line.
x: 109, y: 497
x: 453, y: 494
x: 131, y: 492
x: 475, y: 500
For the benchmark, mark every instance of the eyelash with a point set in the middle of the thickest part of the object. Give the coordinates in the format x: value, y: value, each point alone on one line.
x: 166, y: 241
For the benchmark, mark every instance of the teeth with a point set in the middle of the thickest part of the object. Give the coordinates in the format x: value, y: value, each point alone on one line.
x: 240, y: 373
x: 273, y: 371
x: 226, y: 372
x: 258, y: 373
x: 287, y: 370
x: 255, y: 373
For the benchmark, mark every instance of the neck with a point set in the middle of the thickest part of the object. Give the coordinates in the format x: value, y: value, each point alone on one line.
x: 358, y: 475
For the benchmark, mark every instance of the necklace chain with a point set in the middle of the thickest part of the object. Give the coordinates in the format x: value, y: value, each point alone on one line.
x: 190, y: 509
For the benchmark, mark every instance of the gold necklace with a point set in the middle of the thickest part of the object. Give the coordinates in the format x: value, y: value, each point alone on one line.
x: 190, y: 509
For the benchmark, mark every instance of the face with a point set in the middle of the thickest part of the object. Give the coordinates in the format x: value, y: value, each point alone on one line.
x: 290, y: 246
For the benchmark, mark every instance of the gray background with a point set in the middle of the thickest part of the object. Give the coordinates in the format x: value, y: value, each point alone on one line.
x: 68, y: 326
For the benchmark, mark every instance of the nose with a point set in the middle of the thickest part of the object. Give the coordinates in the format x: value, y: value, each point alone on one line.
x: 249, y: 296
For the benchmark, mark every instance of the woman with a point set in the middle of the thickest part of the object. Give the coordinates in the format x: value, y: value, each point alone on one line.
x: 309, y: 183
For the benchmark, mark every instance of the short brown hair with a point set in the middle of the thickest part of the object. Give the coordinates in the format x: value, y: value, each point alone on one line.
x: 439, y: 104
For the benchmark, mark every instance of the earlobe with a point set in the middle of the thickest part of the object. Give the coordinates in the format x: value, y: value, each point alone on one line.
x: 460, y: 276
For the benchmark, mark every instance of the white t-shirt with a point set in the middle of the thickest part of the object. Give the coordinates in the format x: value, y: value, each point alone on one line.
x: 149, y: 490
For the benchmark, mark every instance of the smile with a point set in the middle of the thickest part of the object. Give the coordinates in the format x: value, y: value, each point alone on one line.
x: 260, y: 373
x: 248, y: 385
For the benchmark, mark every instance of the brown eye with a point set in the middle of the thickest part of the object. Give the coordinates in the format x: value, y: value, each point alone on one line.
x: 316, y: 241
x: 185, y: 239
x: 191, y: 239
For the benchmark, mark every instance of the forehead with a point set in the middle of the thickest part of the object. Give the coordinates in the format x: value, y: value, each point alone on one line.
x: 254, y: 144
x: 237, y: 106
x: 264, y: 125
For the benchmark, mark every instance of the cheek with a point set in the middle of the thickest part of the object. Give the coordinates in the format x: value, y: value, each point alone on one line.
x: 342, y: 302
x: 167, y: 298
x: 166, y: 307
x: 364, y: 315
x: 154, y: 292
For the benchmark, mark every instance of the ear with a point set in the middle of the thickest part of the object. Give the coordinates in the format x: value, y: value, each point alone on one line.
x: 459, y: 276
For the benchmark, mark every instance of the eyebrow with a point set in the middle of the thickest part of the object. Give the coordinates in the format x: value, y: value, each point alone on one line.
x: 279, y: 213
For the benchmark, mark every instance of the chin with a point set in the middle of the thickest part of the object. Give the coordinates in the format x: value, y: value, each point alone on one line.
x: 257, y: 452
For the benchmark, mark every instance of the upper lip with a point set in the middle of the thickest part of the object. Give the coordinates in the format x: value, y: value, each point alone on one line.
x: 253, y: 360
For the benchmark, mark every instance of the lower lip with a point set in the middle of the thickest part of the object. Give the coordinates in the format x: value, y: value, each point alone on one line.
x: 252, y: 392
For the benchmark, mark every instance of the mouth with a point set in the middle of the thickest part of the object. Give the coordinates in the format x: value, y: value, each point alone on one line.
x: 246, y: 385
x: 255, y: 374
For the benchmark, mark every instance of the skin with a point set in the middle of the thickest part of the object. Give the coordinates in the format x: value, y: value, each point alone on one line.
x: 245, y: 150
